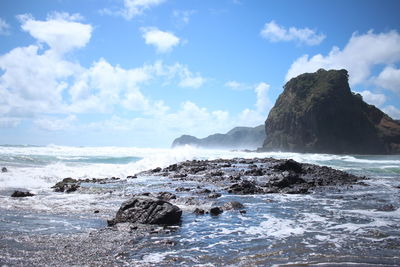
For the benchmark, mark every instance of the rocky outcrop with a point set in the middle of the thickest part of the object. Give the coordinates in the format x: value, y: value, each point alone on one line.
x: 237, y: 138
x: 147, y: 210
x: 255, y: 176
x: 318, y: 113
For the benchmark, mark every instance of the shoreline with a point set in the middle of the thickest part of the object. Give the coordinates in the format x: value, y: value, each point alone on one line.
x: 202, y: 185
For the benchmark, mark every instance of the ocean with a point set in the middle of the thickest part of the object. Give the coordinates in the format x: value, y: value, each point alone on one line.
x: 355, y: 225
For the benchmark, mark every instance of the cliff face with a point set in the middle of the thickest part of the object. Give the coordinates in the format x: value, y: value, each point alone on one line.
x: 237, y: 138
x: 318, y: 113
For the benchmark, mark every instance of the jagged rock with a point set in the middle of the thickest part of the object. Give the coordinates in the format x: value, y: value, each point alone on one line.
x: 318, y: 113
x: 214, y: 195
x: 204, y: 191
x: 244, y: 188
x: 199, y: 211
x: 289, y: 165
x: 67, y: 185
x: 237, y: 138
x: 215, y: 211
x: 158, y: 169
x: 167, y: 196
x: 254, y: 172
x: 233, y: 205
x: 147, y: 210
x: 22, y: 194
x: 288, y: 181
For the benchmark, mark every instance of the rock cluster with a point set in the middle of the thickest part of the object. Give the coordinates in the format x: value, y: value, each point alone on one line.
x: 256, y: 176
x: 69, y: 185
x: 209, y: 182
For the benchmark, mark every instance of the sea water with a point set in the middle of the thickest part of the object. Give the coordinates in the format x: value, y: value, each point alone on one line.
x: 346, y: 226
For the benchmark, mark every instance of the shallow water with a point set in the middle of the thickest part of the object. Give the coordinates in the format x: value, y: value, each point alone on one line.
x: 343, y: 226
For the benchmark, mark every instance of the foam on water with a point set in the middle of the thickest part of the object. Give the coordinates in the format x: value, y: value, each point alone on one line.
x: 333, y: 222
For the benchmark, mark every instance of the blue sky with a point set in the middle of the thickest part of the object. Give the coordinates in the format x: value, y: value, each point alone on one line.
x: 142, y: 72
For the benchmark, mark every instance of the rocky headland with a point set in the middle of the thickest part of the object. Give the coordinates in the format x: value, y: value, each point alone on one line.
x: 237, y: 138
x: 318, y: 113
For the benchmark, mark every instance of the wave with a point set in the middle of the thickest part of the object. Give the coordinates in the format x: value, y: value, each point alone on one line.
x: 52, y: 163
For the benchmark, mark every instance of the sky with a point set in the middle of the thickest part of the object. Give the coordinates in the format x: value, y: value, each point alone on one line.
x: 143, y: 72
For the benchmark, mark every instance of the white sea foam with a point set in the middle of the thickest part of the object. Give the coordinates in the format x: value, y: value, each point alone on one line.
x: 156, y: 257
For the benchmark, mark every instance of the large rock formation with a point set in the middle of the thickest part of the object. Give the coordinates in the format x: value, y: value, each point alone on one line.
x: 318, y: 113
x: 147, y: 210
x: 237, y: 138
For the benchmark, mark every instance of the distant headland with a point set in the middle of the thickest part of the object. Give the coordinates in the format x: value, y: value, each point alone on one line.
x: 316, y: 113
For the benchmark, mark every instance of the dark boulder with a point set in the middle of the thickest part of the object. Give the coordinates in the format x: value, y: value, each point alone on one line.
x: 22, y: 194
x: 4, y: 169
x: 215, y: 211
x: 318, y: 113
x: 147, y: 210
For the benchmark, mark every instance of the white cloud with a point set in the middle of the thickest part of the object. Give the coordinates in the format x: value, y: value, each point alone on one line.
x: 132, y: 8
x: 65, y: 16
x: 359, y: 56
x: 186, y: 77
x: 191, y: 80
x: 59, y: 31
x: 237, y: 85
x: 276, y: 33
x: 163, y: 41
x: 33, y: 82
x: 43, y: 86
x: 183, y: 16
x: 263, y: 103
x: 392, y: 112
x: 103, y: 86
x: 36, y: 82
x: 4, y: 27
x: 389, y: 78
x: 254, y: 117
x: 189, y: 119
x: 374, y: 99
